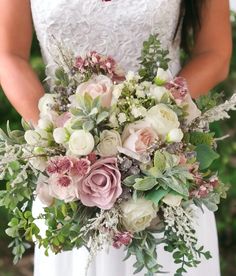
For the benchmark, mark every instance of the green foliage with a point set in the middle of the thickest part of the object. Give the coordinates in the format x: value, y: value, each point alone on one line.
x: 205, y: 156
x: 152, y: 56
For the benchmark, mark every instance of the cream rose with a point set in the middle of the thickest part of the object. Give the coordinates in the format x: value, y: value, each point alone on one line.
x: 162, y: 119
x: 81, y: 142
x: 138, y: 214
x: 138, y: 137
x: 98, y: 86
x: 109, y: 141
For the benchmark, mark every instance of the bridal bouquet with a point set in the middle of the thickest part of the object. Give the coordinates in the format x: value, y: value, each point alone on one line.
x: 116, y: 159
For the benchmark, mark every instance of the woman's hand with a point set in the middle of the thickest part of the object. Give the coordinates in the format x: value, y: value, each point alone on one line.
x: 211, y: 55
x: 17, y: 78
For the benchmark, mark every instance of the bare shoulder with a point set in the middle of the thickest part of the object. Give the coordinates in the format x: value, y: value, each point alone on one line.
x: 15, y: 27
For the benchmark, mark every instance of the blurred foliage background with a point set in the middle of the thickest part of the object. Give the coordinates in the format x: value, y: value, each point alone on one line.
x: 226, y: 216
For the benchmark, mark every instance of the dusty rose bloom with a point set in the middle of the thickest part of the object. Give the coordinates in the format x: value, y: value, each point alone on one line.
x: 122, y: 238
x: 102, y: 186
x: 59, y: 164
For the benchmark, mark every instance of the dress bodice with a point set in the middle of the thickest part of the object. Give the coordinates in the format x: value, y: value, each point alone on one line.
x: 117, y: 27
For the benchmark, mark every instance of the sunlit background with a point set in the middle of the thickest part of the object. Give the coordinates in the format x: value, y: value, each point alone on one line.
x: 226, y: 216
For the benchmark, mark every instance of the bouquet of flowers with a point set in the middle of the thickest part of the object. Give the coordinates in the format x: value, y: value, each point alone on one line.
x: 118, y: 159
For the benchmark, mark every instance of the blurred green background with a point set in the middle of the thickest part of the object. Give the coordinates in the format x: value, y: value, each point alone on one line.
x: 226, y: 216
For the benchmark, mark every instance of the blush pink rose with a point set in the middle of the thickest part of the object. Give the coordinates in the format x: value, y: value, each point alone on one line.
x: 138, y: 137
x: 98, y: 86
x: 102, y: 186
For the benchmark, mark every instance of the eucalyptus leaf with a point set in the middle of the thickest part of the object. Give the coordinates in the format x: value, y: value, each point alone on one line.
x: 102, y: 116
x: 88, y: 126
x: 156, y: 195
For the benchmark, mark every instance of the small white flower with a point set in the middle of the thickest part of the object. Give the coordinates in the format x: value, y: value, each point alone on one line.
x: 81, y: 142
x: 162, y: 76
x: 45, y: 103
x: 61, y: 135
x: 45, y: 123
x: 139, y: 111
x: 116, y: 93
x: 175, y: 135
x: 122, y: 118
x: 131, y: 76
x: 140, y: 93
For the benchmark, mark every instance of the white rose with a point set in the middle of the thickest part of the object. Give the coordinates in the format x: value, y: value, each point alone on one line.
x: 97, y: 86
x: 46, y: 102
x: 172, y: 200
x: 162, y: 119
x: 162, y: 76
x: 175, y: 135
x: 32, y: 137
x: 158, y: 92
x: 81, y: 142
x: 138, y: 214
x: 61, y: 135
x: 109, y: 141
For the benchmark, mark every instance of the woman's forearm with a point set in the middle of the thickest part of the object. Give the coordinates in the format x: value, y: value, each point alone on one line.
x: 204, y: 71
x: 21, y: 86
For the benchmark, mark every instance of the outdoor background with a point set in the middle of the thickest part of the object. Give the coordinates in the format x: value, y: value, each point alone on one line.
x: 226, y: 216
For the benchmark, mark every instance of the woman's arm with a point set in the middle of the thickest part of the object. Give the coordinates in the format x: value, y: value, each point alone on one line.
x: 17, y: 78
x: 211, y: 55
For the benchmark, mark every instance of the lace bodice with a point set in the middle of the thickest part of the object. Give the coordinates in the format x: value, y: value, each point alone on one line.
x: 117, y: 27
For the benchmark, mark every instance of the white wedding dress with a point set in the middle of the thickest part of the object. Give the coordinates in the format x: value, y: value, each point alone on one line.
x: 117, y: 28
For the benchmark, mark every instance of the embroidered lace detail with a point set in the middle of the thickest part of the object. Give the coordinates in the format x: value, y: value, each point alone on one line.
x: 117, y: 28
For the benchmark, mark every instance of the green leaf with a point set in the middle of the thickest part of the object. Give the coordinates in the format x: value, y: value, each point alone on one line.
x: 130, y: 180
x: 198, y: 138
x: 156, y: 195
x: 145, y: 184
x: 177, y: 186
x: 205, y: 156
x: 159, y: 161
x: 102, y: 116
x: 88, y: 126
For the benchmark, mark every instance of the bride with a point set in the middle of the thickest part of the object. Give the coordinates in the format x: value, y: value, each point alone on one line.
x: 116, y: 28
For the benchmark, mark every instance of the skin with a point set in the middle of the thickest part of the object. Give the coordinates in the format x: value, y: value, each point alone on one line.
x: 207, y: 67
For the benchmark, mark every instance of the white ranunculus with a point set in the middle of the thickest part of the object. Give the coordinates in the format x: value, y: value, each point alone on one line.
x: 158, y: 92
x: 162, y: 119
x: 61, y: 135
x: 172, y: 200
x: 138, y: 214
x: 175, y: 135
x: 32, y: 137
x: 109, y: 141
x: 45, y: 123
x: 45, y: 103
x: 81, y: 142
x: 162, y: 76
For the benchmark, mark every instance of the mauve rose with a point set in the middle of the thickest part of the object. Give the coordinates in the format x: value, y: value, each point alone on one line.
x: 102, y: 186
x: 98, y: 86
